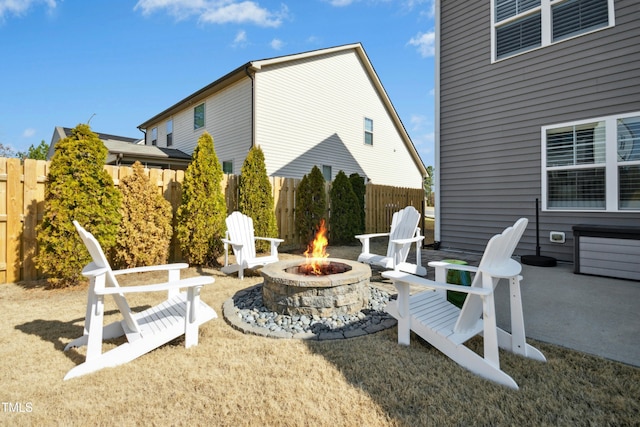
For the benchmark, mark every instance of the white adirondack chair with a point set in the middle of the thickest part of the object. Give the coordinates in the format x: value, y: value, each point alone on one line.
x: 446, y: 327
x: 240, y: 235
x: 182, y: 312
x: 404, y: 231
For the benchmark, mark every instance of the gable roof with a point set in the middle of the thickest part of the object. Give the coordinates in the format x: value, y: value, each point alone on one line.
x: 243, y: 71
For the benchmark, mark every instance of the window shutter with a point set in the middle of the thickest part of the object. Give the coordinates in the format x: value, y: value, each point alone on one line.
x: 520, y: 35
x: 578, y: 16
x: 508, y: 8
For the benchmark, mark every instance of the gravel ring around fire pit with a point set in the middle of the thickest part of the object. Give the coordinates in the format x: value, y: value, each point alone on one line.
x: 246, y: 312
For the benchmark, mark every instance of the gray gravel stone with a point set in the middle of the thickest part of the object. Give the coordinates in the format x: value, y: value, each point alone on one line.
x: 246, y: 311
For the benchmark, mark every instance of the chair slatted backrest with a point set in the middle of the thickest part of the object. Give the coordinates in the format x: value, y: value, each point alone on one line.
x: 240, y: 229
x: 100, y: 261
x: 403, y: 226
x: 496, y: 257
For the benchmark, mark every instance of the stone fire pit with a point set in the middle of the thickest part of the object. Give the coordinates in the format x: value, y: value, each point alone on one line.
x: 286, y: 291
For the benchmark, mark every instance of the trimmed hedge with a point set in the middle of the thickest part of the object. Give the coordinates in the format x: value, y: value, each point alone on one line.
x: 201, y: 215
x: 255, y: 198
x: 80, y: 189
x: 145, y: 231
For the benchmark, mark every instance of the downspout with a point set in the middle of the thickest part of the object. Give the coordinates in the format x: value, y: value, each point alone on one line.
x: 253, y: 103
x: 436, y: 168
x: 145, y: 134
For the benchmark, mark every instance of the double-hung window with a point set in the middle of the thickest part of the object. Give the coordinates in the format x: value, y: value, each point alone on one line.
x: 522, y: 25
x: 198, y: 116
x: 368, y: 131
x: 592, y: 165
x: 154, y: 136
x: 169, y: 132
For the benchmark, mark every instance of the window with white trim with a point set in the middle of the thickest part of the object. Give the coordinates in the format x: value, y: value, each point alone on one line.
x: 169, y: 132
x: 522, y: 25
x: 327, y: 173
x: 227, y: 166
x: 154, y: 136
x: 368, y: 131
x: 592, y: 165
x: 198, y: 116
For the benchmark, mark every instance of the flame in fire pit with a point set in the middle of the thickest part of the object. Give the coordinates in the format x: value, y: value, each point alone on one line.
x: 316, y: 251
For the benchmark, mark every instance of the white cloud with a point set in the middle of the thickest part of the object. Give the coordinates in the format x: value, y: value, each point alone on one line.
x: 241, y: 39
x: 340, y: 3
x: 20, y: 7
x: 413, y: 4
x: 276, y: 44
x: 28, y: 133
x: 425, y: 42
x: 216, y: 11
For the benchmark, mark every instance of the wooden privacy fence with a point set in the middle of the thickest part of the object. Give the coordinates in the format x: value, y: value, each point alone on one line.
x: 22, y: 192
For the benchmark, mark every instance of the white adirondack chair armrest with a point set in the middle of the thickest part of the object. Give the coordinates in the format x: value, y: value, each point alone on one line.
x: 270, y: 239
x: 410, y: 279
x: 511, y: 268
x: 448, y: 266
x: 145, y: 269
x: 405, y: 241
x: 182, y: 283
x: 236, y: 245
x: 92, y: 270
x: 372, y: 235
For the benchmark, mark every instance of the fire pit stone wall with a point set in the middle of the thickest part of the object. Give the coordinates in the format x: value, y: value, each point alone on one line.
x: 334, y: 294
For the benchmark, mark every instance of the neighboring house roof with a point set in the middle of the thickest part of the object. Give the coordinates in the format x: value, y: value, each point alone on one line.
x: 242, y: 72
x: 125, y: 151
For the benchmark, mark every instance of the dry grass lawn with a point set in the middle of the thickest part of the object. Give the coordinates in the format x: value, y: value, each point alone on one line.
x: 232, y: 379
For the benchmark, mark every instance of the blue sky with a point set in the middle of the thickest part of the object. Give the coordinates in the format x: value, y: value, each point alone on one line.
x: 117, y: 63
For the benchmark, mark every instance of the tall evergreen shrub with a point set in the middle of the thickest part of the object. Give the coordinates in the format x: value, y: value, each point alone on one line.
x: 255, y: 198
x: 345, y: 220
x: 145, y: 232
x: 359, y: 187
x: 78, y: 188
x: 311, y: 205
x: 201, y: 215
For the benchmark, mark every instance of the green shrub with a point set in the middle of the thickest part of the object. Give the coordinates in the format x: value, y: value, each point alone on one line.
x: 80, y: 189
x: 201, y: 215
x: 359, y: 187
x: 345, y: 220
x: 145, y: 231
x: 255, y: 198
x: 311, y: 205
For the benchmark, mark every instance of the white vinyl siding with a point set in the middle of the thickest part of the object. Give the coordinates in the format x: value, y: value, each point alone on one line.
x: 227, y: 118
x: 321, y: 103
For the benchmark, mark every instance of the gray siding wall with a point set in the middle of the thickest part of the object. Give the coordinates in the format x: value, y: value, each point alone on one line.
x: 491, y: 117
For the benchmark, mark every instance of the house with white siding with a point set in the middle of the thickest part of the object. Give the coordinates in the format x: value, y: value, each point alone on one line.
x: 539, y: 99
x: 324, y: 108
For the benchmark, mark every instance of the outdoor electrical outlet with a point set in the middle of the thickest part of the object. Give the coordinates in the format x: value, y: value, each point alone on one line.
x: 556, y: 237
